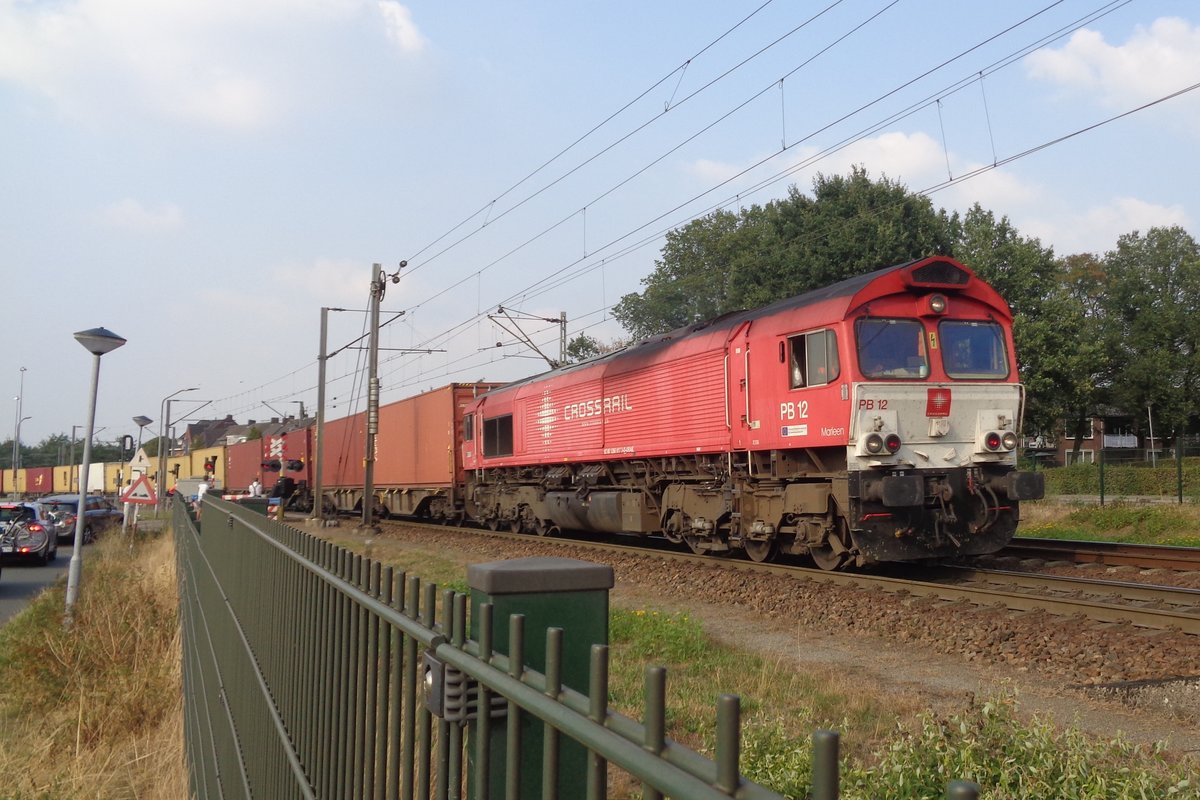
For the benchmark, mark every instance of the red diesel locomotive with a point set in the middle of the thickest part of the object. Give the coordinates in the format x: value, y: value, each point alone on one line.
x: 876, y: 419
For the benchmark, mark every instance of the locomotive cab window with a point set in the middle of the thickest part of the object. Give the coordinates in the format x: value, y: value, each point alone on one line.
x: 498, y: 436
x: 891, y: 348
x: 973, y: 349
x: 469, y: 428
x: 812, y: 359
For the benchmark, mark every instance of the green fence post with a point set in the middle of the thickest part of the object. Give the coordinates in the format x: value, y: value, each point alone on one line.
x: 826, y: 776
x: 550, y: 593
x: 1179, y: 465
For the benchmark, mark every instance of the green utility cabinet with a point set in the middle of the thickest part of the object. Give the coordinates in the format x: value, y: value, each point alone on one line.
x: 550, y: 593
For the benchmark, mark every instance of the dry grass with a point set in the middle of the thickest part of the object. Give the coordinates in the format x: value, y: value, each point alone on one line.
x: 95, y: 710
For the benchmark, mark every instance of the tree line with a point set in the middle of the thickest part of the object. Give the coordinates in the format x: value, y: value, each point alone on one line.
x: 55, y: 450
x: 1113, y: 331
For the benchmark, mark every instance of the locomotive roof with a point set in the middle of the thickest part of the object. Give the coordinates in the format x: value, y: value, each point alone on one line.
x: 848, y: 288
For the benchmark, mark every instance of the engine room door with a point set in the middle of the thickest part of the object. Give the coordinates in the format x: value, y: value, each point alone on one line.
x: 741, y: 422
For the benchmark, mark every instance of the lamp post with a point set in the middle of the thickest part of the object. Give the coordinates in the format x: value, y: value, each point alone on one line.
x: 16, y: 458
x: 164, y: 424
x: 17, y: 446
x: 96, y: 341
x: 75, y: 467
x: 141, y: 422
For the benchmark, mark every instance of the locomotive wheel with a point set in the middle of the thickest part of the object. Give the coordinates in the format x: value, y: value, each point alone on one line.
x: 826, y: 558
x: 760, y: 550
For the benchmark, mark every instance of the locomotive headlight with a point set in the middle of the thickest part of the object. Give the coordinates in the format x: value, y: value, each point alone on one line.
x: 874, y: 444
x: 892, y: 443
x: 1009, y: 441
x: 992, y: 441
x: 937, y: 303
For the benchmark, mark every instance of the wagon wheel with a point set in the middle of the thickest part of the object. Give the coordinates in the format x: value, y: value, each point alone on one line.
x: 761, y: 550
x: 697, y: 544
x: 493, y: 523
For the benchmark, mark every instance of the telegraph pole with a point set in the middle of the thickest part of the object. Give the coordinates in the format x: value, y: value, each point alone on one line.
x: 562, y: 338
x: 377, y: 288
x: 318, y: 486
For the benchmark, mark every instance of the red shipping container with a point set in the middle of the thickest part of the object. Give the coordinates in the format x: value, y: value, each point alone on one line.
x: 39, y: 480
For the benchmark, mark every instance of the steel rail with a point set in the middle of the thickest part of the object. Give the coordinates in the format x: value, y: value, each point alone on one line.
x: 1148, y: 556
x: 1016, y: 600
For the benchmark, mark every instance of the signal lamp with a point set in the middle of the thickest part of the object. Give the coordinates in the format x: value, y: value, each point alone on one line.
x: 992, y: 441
x: 874, y: 444
x: 1009, y: 441
x: 892, y: 443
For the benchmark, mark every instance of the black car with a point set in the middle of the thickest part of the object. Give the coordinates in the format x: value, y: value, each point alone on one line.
x: 27, y: 532
x: 100, y: 515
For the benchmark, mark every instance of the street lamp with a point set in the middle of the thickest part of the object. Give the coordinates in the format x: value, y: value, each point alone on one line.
x: 75, y: 467
x: 16, y: 459
x: 96, y: 341
x: 164, y: 424
x: 17, y: 445
x: 141, y: 421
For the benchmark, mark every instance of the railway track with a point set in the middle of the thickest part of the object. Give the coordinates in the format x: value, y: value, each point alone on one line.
x: 1145, y: 556
x: 1142, y: 605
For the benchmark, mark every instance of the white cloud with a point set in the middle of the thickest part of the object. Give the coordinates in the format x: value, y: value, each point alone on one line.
x: 325, y: 282
x: 1097, y: 229
x: 236, y: 65
x: 1154, y: 62
x: 712, y: 172
x: 400, y: 28
x: 129, y: 214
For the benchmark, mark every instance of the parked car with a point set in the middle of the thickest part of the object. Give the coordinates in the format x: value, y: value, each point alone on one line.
x: 27, y: 532
x: 100, y: 515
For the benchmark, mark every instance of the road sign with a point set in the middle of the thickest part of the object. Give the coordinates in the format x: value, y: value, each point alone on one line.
x: 140, y: 492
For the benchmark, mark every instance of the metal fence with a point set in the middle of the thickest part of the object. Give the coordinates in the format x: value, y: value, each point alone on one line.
x: 310, y: 671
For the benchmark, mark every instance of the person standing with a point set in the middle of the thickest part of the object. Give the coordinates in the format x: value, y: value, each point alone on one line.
x: 200, y: 491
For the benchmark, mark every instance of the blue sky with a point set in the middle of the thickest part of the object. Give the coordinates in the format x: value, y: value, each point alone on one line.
x: 202, y: 178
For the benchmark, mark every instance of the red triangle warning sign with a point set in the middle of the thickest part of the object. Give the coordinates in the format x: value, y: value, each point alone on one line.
x: 140, y: 492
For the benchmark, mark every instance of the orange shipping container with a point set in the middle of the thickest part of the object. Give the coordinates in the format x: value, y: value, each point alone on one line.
x: 418, y: 444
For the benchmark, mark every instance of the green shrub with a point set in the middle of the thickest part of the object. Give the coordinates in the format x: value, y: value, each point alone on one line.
x: 1125, y: 479
x: 1010, y: 759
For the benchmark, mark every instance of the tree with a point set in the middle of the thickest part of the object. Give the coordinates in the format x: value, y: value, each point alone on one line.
x: 1083, y: 281
x: 851, y: 225
x: 1153, y: 292
x: 690, y: 281
x: 253, y: 434
x: 724, y: 262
